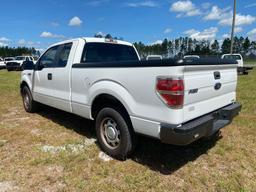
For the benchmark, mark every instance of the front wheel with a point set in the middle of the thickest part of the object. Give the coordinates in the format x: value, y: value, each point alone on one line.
x: 114, y: 134
x: 29, y: 104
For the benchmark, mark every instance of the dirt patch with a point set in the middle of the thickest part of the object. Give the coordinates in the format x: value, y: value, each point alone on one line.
x: 55, y: 187
x: 8, y: 186
x: 104, y: 157
x: 72, y: 148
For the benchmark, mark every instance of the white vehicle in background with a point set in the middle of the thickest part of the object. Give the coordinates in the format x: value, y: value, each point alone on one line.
x: 2, y: 63
x: 18, y: 62
x: 241, y: 69
x: 189, y: 57
x: 237, y: 57
x: 8, y: 59
x: 175, y: 101
x: 154, y: 57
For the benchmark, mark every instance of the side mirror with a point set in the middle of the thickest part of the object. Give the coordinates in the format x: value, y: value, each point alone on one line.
x: 28, y: 65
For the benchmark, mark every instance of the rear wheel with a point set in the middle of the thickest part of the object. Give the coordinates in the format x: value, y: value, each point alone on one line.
x: 29, y: 104
x: 114, y: 134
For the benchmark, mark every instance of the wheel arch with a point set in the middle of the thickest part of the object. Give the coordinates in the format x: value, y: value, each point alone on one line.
x: 23, y: 84
x: 107, y: 100
x: 25, y: 81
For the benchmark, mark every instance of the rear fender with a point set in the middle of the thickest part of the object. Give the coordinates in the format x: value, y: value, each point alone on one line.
x: 114, y: 89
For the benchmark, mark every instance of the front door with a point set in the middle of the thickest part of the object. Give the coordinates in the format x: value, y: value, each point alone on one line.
x: 43, y: 88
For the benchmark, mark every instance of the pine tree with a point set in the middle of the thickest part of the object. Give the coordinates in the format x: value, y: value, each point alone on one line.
x: 246, y: 45
x: 215, y: 47
x: 226, y: 46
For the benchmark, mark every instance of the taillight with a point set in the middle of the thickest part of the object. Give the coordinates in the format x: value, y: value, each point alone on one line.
x: 171, y: 91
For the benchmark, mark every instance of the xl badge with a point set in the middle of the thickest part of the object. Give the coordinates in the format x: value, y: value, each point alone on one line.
x: 193, y: 91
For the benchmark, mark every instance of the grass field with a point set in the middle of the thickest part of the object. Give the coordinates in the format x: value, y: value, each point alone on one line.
x: 250, y: 62
x: 55, y: 151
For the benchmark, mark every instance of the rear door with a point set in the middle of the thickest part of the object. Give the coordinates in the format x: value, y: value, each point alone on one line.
x: 208, y: 88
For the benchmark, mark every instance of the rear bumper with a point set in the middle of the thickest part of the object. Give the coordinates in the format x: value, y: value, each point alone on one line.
x: 204, y: 126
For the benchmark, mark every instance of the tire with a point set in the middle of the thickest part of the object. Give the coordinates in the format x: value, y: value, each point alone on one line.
x: 114, y: 134
x: 29, y: 104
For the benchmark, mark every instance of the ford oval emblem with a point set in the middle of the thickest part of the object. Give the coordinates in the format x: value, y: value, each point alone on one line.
x: 217, y: 86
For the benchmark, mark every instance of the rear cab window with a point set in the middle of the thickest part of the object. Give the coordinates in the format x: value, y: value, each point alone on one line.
x: 108, y: 52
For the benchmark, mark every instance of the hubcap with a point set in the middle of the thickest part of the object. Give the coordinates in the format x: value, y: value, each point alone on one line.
x: 110, y: 133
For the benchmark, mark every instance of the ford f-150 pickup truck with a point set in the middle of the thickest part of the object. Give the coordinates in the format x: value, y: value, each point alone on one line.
x: 175, y: 101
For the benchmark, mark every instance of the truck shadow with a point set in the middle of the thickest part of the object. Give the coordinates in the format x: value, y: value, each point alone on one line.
x: 167, y: 159
x: 151, y: 153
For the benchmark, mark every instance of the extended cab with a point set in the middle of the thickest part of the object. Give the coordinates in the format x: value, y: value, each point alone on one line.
x: 175, y: 101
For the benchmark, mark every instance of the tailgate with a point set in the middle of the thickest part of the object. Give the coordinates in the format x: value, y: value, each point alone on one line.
x: 207, y: 88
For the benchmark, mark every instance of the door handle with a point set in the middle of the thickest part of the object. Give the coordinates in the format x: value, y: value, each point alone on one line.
x: 49, y: 76
x: 217, y: 75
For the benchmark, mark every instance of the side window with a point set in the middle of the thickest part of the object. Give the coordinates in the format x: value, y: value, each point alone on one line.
x: 238, y: 57
x: 64, y: 55
x: 48, y: 59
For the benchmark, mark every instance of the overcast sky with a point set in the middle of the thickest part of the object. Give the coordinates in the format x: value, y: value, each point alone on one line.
x: 41, y: 23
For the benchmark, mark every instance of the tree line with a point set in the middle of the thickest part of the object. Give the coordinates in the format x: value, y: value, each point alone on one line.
x: 18, y: 51
x: 186, y: 46
x: 167, y: 48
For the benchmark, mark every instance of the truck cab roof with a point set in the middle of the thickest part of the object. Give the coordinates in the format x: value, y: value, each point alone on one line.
x: 96, y: 40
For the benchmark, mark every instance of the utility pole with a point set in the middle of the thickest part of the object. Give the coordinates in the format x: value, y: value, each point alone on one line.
x: 233, y: 27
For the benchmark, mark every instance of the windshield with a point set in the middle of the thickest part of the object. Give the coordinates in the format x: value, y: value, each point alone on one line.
x: 235, y: 57
x: 20, y: 58
x: 106, y: 52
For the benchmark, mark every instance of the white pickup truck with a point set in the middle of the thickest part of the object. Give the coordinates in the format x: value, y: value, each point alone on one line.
x: 104, y: 80
x: 241, y: 69
x: 2, y: 63
x: 17, y: 63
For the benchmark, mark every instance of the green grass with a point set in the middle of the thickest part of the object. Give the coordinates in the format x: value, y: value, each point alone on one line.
x: 226, y: 164
x: 250, y: 62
